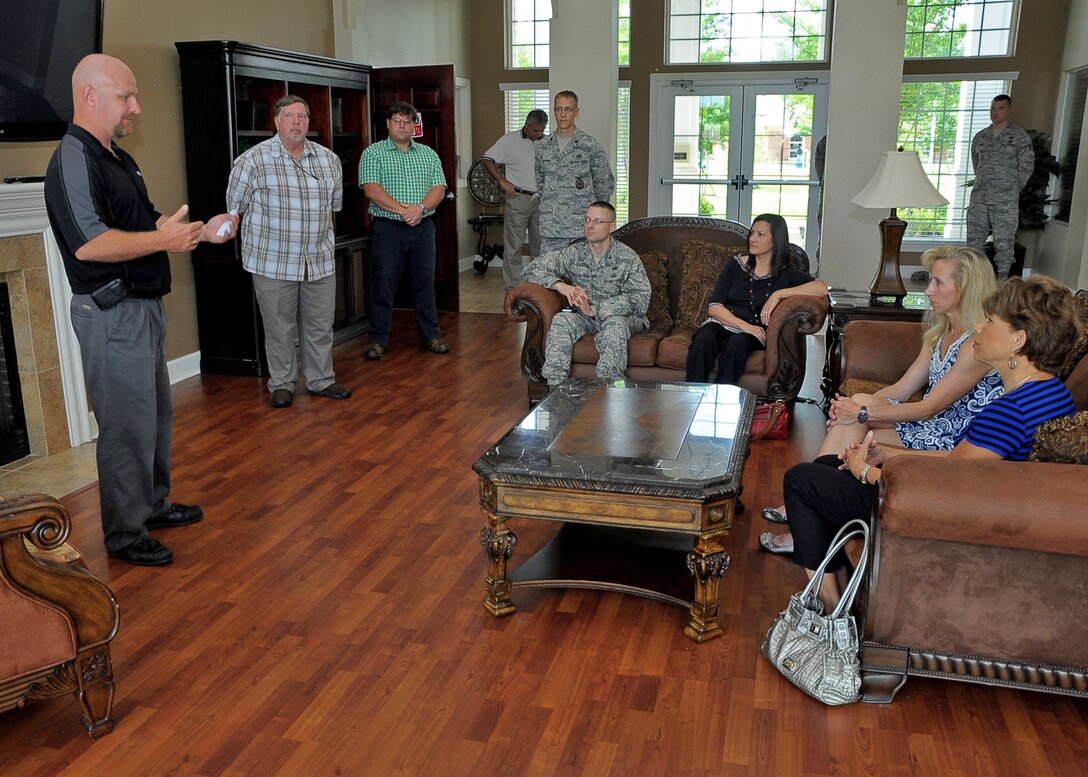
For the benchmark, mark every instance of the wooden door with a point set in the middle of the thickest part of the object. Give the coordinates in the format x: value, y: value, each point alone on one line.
x: 430, y: 89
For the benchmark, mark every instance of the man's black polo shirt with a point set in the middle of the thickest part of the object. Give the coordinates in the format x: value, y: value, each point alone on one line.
x: 88, y: 191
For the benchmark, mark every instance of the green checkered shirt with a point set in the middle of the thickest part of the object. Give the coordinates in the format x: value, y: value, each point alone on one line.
x: 407, y: 176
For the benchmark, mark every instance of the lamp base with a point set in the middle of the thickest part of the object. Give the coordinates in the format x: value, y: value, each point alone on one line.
x: 888, y: 281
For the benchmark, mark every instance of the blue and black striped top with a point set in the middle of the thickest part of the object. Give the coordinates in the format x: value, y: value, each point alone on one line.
x: 1007, y: 425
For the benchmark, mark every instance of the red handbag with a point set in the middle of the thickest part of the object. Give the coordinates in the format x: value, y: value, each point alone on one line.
x: 771, y: 422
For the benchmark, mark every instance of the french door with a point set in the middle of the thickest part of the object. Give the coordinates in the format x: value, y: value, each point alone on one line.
x: 733, y: 150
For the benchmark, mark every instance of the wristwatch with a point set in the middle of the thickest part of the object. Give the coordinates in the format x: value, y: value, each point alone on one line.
x: 863, y: 415
x: 424, y: 211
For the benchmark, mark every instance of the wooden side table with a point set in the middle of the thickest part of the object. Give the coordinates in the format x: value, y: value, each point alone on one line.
x: 847, y: 306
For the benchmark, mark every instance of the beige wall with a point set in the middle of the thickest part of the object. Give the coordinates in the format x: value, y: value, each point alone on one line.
x: 142, y: 32
x: 410, y: 32
x: 1063, y: 247
x: 386, y: 33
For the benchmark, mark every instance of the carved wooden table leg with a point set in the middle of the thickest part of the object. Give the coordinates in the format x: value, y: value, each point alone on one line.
x: 498, y: 543
x: 707, y: 562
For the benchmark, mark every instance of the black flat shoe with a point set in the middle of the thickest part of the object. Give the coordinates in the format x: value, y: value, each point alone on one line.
x: 281, y: 398
x: 176, y: 515
x: 144, y: 552
x: 333, y: 391
x: 774, y: 515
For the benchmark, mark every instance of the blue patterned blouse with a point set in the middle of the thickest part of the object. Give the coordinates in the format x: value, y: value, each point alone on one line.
x: 944, y: 430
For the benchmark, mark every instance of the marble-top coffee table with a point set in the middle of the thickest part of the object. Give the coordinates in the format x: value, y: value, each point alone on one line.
x: 644, y: 476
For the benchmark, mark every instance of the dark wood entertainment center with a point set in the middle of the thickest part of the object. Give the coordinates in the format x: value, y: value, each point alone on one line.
x: 228, y: 91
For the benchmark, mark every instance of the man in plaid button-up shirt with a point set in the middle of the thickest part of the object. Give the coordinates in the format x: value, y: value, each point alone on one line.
x: 404, y: 183
x: 288, y: 189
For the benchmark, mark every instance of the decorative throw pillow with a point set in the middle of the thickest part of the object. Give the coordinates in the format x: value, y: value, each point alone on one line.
x: 657, y: 270
x: 1062, y: 440
x: 703, y: 262
x: 1080, y: 346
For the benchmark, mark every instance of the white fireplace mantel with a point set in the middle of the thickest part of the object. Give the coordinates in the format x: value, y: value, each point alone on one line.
x: 22, y: 212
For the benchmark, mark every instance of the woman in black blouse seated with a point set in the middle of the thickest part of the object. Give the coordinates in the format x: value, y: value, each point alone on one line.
x: 747, y: 292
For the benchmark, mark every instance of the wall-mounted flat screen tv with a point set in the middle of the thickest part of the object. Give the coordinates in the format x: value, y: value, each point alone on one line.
x: 41, y: 41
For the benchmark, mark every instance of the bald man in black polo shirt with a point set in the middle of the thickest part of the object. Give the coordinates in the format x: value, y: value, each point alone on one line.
x: 115, y: 245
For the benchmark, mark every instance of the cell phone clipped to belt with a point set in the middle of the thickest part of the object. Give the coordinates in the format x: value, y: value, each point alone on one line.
x: 109, y: 294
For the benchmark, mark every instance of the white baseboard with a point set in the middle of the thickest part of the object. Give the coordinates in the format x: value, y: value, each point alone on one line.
x: 184, y: 367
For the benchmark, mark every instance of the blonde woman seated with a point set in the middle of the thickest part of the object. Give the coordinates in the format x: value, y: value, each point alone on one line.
x: 955, y: 389
x: 1025, y: 336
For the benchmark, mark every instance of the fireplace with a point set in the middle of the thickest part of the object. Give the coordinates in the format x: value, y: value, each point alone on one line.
x: 40, y: 345
x: 14, y: 443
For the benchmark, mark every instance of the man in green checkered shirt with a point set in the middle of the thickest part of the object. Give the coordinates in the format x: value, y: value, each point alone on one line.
x: 404, y: 183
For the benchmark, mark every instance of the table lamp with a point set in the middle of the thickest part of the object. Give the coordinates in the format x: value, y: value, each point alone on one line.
x: 899, y: 182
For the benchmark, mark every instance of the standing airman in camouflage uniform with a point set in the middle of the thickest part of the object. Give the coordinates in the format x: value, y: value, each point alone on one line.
x: 608, y: 291
x: 1003, y: 159
x: 572, y: 171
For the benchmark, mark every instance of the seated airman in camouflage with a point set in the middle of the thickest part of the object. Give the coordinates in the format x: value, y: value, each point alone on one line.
x: 608, y: 292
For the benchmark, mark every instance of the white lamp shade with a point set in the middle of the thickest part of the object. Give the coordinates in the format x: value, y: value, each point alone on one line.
x: 899, y: 182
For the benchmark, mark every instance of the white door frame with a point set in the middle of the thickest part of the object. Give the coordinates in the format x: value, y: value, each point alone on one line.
x: 660, y: 82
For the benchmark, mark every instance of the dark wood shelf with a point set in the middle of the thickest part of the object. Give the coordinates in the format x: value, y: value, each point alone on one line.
x: 228, y: 85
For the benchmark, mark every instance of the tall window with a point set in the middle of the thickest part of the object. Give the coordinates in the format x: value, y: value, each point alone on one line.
x: 623, y: 33
x: 1072, y: 146
x: 519, y: 101
x: 747, y: 31
x: 938, y: 119
x: 960, y: 28
x: 529, y: 31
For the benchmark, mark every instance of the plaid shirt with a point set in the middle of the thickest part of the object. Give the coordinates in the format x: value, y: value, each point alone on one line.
x: 406, y: 176
x: 288, y: 232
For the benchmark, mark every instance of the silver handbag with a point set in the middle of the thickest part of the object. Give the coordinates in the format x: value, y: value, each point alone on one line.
x: 819, y: 653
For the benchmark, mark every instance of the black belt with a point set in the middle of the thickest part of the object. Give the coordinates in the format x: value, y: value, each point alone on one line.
x: 523, y: 191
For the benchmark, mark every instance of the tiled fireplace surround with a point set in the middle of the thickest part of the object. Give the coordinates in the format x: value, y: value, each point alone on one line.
x: 50, y: 374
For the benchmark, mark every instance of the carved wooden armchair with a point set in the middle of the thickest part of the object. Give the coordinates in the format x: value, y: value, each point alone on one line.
x: 56, y: 620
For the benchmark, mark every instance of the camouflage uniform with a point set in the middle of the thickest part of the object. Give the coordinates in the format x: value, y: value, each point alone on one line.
x: 568, y: 183
x: 1003, y: 163
x: 619, y: 292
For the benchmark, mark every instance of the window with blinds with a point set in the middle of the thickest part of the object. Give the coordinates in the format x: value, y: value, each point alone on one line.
x: 520, y: 100
x: 938, y: 119
x: 1072, y: 147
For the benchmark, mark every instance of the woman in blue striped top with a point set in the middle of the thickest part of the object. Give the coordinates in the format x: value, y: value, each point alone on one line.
x: 1028, y: 329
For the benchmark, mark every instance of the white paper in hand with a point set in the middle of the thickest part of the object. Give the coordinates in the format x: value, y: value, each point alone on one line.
x: 224, y: 230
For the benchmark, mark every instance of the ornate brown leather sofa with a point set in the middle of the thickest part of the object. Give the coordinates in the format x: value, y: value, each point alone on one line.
x: 979, y: 569
x: 56, y: 620
x: 661, y: 354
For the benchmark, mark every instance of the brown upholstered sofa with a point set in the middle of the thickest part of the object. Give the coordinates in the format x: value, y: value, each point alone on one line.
x: 979, y: 569
x: 683, y: 255
x: 56, y: 619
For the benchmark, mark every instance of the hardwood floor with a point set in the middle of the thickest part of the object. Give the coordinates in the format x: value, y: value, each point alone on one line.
x: 326, y: 618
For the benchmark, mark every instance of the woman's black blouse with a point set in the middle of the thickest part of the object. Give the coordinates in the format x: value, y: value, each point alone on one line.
x: 744, y: 296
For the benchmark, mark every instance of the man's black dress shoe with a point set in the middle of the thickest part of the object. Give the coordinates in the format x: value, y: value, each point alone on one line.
x: 281, y: 398
x: 175, y: 515
x: 144, y: 552
x: 333, y: 391
x: 374, y: 352
x: 436, y: 346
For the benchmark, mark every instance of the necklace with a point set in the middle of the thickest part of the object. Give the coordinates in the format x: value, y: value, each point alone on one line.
x: 1023, y: 381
